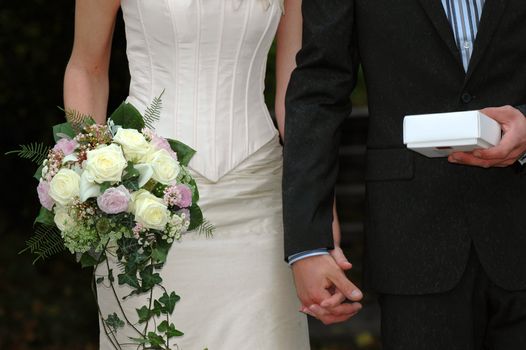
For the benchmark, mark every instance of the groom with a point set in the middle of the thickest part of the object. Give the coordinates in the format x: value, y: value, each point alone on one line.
x: 445, y: 238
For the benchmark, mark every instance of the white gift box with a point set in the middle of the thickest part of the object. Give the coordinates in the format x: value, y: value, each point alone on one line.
x: 440, y: 134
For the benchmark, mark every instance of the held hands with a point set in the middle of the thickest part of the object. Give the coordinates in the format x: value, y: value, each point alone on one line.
x: 511, y: 147
x: 323, y: 287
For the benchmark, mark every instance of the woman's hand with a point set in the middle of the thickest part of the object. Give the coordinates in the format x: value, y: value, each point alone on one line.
x: 337, y: 253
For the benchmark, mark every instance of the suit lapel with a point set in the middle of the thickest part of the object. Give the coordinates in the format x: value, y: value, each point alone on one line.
x: 490, y: 18
x: 435, y: 12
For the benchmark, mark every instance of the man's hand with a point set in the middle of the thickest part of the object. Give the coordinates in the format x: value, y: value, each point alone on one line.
x: 319, y: 280
x: 511, y: 147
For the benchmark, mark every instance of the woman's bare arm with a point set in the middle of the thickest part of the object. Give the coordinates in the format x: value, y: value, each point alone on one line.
x: 288, y: 44
x: 86, y: 83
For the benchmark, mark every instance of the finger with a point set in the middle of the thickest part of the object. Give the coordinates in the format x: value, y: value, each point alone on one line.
x: 499, y: 152
x: 335, y: 319
x: 340, y: 310
x: 335, y: 300
x: 468, y: 159
x: 342, y: 283
x: 501, y: 114
x: 345, y: 309
x: 306, y: 311
x: 341, y: 259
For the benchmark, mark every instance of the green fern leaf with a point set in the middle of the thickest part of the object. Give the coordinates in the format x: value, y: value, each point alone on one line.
x: 78, y: 120
x: 46, y: 242
x: 206, y: 228
x: 153, y: 112
x: 35, y: 152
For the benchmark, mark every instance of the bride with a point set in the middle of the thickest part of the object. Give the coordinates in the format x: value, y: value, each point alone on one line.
x: 209, y: 58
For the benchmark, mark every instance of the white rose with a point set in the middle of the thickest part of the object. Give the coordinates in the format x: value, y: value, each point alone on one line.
x: 65, y: 186
x: 63, y: 220
x: 165, y: 167
x: 133, y: 143
x: 149, y: 210
x: 106, y: 163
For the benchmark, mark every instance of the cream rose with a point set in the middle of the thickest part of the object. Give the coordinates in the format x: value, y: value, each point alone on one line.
x: 165, y: 167
x: 62, y: 219
x: 149, y: 210
x: 105, y: 163
x: 65, y: 186
x: 133, y: 143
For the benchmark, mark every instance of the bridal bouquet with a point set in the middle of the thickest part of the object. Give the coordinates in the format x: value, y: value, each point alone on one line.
x: 117, y: 189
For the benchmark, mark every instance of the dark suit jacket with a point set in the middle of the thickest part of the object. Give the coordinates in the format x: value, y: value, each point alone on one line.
x: 423, y: 214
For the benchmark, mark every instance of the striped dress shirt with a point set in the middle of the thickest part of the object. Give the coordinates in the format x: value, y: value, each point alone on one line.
x: 464, y: 17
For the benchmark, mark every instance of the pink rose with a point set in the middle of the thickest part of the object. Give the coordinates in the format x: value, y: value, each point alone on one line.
x: 161, y: 143
x: 66, y: 146
x: 43, y: 195
x: 114, y: 200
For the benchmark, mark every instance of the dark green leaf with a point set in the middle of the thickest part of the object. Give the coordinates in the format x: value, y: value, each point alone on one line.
x: 144, y: 314
x: 110, y: 276
x: 157, y: 308
x: 154, y: 339
x: 45, y: 217
x: 130, y: 173
x: 114, y: 322
x: 139, y: 340
x: 169, y: 301
x: 135, y: 260
x: 61, y: 130
x: 163, y: 326
x: 129, y: 279
x: 104, y: 186
x: 173, y: 332
x: 86, y: 260
x: 132, y: 185
x: 195, y: 191
x: 184, y: 152
x: 196, y: 217
x: 127, y: 246
x: 99, y: 280
x: 158, y: 189
x: 38, y: 173
x: 128, y: 117
x: 149, y: 279
x: 160, y: 252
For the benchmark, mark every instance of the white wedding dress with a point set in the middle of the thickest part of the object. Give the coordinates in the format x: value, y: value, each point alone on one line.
x: 209, y: 57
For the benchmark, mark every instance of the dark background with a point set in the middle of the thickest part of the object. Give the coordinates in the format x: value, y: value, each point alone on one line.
x: 49, y: 305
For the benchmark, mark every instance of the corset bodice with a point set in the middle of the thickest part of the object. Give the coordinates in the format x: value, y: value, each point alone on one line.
x: 209, y: 58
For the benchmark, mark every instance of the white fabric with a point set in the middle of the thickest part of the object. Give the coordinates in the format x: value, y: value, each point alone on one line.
x: 236, y: 291
x: 209, y: 57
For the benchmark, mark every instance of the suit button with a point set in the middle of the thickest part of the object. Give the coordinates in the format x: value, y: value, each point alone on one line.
x: 466, y: 97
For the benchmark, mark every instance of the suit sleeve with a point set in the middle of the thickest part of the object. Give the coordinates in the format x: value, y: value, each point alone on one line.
x: 317, y: 103
x: 522, y: 109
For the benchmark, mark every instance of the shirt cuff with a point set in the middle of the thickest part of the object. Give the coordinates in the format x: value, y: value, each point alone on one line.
x: 307, y: 254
